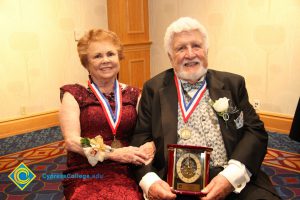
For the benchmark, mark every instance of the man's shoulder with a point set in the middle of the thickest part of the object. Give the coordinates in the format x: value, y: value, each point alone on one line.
x: 224, y: 75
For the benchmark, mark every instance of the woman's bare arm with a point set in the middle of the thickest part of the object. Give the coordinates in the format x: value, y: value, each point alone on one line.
x: 69, y: 114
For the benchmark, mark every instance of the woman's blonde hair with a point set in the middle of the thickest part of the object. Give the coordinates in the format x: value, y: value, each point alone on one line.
x: 97, y: 35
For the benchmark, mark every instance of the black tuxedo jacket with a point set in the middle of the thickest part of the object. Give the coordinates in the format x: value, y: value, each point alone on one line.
x: 157, y: 121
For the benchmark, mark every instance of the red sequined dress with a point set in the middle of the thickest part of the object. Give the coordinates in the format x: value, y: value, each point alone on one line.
x: 108, y: 179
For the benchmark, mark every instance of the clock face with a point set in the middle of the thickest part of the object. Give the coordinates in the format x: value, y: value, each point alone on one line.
x: 188, y: 167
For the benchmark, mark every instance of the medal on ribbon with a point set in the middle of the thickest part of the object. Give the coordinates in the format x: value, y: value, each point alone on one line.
x: 113, y: 118
x: 187, y: 109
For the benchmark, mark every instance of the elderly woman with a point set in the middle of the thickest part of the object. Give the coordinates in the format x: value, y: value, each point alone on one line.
x: 97, y: 122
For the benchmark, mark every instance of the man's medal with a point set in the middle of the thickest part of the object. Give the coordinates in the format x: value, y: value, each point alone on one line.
x: 113, y: 118
x: 185, y: 133
x: 187, y: 109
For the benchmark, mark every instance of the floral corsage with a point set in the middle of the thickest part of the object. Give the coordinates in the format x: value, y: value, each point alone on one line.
x: 94, y: 149
x: 223, y: 108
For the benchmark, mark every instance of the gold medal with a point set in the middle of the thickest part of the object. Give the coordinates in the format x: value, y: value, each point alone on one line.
x: 116, y: 143
x: 185, y: 133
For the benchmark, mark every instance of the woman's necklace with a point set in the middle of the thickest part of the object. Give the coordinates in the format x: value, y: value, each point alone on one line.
x: 113, y: 118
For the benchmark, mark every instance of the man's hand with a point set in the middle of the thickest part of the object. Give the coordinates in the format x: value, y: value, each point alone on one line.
x: 160, y: 190
x: 218, y: 188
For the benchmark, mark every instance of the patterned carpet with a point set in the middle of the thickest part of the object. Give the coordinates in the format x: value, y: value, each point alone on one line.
x: 48, y: 160
x: 283, y: 169
x: 44, y: 161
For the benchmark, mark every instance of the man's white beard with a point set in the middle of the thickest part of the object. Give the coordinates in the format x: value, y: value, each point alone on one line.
x: 193, y: 77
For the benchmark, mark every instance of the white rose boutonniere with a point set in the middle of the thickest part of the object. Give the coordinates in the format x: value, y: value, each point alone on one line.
x: 221, y: 106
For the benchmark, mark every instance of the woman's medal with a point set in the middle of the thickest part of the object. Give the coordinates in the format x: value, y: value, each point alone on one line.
x: 116, y: 143
x: 113, y: 118
x: 185, y: 133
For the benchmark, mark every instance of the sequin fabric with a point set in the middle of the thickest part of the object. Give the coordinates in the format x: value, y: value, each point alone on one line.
x: 108, y: 179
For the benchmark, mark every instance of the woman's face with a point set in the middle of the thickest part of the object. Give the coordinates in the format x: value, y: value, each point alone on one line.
x: 103, y: 61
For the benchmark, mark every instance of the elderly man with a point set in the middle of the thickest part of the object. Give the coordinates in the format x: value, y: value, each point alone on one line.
x: 235, y: 133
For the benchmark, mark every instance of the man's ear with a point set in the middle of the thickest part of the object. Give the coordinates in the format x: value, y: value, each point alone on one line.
x: 170, y: 58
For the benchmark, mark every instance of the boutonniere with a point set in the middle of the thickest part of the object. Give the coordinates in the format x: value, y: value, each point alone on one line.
x: 221, y: 107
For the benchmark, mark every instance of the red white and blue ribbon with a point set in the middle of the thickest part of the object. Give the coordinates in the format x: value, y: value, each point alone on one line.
x: 188, y: 109
x: 113, y: 118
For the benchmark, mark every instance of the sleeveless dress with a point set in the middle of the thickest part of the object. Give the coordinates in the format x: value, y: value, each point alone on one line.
x: 108, y: 179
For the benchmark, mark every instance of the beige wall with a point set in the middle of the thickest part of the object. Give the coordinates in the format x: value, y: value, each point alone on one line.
x: 258, y: 39
x: 38, y: 51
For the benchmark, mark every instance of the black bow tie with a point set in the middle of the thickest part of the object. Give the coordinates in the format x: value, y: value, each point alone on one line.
x: 188, y: 86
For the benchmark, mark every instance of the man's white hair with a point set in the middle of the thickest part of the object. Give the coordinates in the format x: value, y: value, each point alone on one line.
x: 184, y: 24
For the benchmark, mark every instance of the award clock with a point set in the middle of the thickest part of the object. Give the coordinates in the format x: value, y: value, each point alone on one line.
x: 188, y: 168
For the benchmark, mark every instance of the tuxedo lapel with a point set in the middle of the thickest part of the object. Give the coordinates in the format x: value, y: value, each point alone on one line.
x: 216, y: 87
x: 169, y: 112
x: 216, y: 91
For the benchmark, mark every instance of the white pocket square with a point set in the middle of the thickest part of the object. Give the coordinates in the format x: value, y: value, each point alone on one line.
x: 239, y: 121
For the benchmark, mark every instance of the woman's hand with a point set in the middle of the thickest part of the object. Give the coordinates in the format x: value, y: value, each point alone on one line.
x: 128, y: 154
x: 149, y: 149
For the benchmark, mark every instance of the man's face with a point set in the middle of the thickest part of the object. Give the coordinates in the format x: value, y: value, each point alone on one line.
x: 188, y: 55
